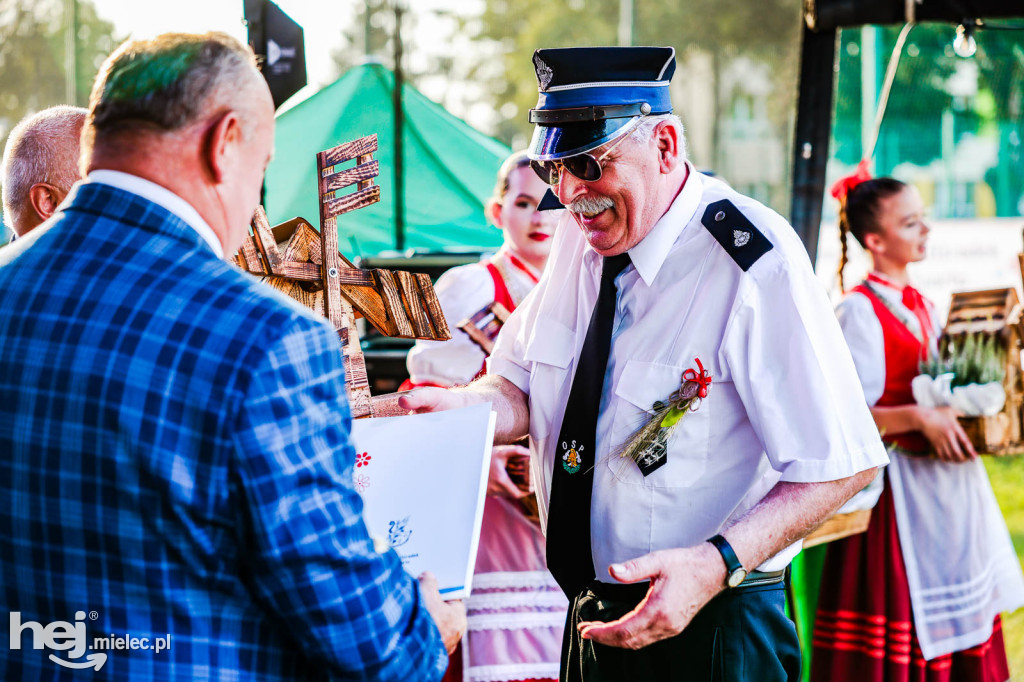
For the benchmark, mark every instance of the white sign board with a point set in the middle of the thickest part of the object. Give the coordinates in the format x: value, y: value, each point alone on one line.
x: 963, y: 255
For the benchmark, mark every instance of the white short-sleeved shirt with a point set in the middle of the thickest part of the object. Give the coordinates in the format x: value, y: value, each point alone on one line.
x: 785, y: 403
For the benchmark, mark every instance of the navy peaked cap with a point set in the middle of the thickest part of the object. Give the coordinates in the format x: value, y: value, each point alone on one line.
x: 591, y: 95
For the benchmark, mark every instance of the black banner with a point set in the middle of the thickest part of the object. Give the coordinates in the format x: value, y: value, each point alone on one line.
x: 279, y: 43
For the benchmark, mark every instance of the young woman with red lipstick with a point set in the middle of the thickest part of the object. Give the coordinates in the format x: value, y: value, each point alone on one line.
x: 505, y: 277
x: 916, y: 597
x: 517, y: 611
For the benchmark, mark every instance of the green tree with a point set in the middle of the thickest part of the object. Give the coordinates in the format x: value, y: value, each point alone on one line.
x: 715, y: 32
x: 33, y: 55
x: 368, y: 36
x: 918, y: 96
x: 936, y: 90
x: 1001, y: 59
x: 725, y: 29
x: 433, y: 65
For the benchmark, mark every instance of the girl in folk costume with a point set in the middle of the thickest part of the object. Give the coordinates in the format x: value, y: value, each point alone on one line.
x: 917, y: 596
x: 517, y: 612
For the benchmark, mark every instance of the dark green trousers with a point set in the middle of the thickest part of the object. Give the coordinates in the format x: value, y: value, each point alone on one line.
x: 742, y: 635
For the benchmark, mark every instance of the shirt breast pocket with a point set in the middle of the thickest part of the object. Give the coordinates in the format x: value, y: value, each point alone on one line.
x: 550, y: 352
x: 640, y: 385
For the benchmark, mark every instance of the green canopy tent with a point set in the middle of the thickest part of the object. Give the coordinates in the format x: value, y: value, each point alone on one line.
x: 449, y: 166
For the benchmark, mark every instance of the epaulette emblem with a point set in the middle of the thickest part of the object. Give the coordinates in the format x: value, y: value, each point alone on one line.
x: 737, y: 235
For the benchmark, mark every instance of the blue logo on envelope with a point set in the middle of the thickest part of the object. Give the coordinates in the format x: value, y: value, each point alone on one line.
x: 398, y: 534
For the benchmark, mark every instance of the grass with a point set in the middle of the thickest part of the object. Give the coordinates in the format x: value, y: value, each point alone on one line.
x: 1007, y: 476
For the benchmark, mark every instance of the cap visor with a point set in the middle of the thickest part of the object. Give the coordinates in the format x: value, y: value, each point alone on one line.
x: 557, y: 142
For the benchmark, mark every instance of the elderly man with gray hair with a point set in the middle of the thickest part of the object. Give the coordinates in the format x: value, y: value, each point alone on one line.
x: 692, y: 408
x: 40, y: 165
x: 176, y: 497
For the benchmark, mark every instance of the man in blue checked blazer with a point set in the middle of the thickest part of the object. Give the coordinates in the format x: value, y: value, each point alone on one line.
x: 175, y: 472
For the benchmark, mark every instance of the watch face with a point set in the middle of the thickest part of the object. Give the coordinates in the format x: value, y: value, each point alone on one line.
x: 737, y: 577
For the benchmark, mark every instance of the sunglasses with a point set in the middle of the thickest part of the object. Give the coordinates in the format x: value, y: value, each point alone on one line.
x: 582, y: 166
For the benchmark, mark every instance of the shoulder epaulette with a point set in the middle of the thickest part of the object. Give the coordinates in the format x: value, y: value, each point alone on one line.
x: 737, y: 235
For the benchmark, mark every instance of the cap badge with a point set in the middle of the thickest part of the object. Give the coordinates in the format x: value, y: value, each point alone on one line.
x: 740, y: 238
x: 544, y: 72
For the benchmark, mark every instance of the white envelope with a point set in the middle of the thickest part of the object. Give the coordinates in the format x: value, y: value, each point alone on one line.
x: 423, y: 480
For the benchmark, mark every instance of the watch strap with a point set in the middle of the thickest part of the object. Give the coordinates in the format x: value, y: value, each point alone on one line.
x: 732, y: 562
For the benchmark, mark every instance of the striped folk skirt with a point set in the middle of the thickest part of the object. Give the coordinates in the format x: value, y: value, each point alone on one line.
x: 864, y: 630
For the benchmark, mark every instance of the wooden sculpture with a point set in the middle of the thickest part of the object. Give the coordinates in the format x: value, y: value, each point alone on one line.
x: 306, y: 265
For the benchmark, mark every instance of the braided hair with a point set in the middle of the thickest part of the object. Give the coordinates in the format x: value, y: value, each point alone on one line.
x: 858, y: 212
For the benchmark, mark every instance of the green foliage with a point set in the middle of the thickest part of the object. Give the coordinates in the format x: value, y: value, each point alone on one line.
x: 976, y: 358
x: 918, y: 94
x: 367, y: 36
x: 937, y: 99
x: 766, y: 31
x: 33, y: 56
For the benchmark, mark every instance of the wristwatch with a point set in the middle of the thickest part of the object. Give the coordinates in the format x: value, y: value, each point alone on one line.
x: 735, y: 573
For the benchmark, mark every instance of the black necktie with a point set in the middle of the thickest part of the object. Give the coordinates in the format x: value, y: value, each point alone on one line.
x: 568, y: 537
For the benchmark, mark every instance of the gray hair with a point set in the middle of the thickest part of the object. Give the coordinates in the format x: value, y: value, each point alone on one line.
x: 168, y: 83
x: 41, y: 148
x: 645, y: 130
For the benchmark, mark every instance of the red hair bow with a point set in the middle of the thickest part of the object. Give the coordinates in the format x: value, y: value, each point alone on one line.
x: 843, y: 186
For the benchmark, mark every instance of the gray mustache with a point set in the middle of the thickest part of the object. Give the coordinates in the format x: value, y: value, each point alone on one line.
x: 590, y: 205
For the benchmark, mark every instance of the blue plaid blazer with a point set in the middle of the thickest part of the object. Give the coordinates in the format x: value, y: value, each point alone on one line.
x: 174, y: 461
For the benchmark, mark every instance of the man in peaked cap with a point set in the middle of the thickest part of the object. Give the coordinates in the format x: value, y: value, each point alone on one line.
x: 683, y: 306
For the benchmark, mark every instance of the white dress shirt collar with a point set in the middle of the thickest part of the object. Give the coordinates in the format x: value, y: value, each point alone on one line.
x: 649, y: 255
x: 163, y: 197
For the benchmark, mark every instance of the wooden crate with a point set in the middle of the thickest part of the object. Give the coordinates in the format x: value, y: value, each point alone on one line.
x: 993, y: 312
x: 989, y: 435
x: 839, y: 526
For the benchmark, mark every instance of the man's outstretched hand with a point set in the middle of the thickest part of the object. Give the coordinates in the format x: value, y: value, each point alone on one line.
x: 682, y: 582
x: 431, y: 399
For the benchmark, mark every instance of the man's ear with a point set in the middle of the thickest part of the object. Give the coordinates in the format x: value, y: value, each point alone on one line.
x: 666, y: 138
x: 222, y: 142
x: 45, y: 199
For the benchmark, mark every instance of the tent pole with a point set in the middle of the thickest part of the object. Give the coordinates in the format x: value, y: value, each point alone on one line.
x: 399, y: 125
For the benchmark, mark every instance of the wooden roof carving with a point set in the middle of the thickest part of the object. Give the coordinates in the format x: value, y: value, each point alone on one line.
x: 306, y: 265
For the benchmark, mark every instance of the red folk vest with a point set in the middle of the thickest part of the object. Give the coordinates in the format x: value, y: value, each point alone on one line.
x: 501, y: 294
x: 903, y: 352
